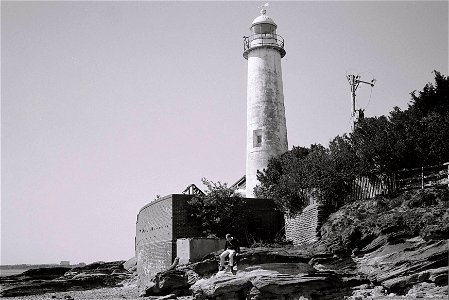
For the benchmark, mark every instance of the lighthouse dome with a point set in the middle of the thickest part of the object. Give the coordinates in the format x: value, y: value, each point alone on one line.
x: 263, y: 19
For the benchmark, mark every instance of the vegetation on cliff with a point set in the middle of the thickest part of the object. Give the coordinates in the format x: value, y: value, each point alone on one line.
x: 415, y: 137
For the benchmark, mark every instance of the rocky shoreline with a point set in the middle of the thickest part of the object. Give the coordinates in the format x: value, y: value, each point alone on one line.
x: 374, y: 249
x: 63, y: 279
x: 394, y: 247
x: 296, y: 274
x: 386, y: 269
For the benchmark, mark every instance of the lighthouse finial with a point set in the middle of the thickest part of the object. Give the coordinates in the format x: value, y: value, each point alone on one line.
x: 263, y: 10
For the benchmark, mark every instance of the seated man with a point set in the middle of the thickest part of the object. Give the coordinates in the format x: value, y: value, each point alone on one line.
x: 231, y: 248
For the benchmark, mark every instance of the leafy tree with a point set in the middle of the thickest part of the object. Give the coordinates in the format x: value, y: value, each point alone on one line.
x: 302, y: 174
x: 422, y: 131
x: 218, y: 210
x: 381, y: 145
x: 283, y: 181
x: 417, y: 136
x: 374, y: 142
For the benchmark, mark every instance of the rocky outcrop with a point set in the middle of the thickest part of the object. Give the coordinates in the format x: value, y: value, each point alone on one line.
x: 263, y: 274
x: 373, y: 249
x: 41, y: 281
x: 400, y: 266
x: 271, y: 281
x: 413, y: 268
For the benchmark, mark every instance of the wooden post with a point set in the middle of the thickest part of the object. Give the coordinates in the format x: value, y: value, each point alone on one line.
x: 422, y: 177
x: 447, y: 164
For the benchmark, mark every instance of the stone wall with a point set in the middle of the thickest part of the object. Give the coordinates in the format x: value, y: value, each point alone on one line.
x: 304, y: 228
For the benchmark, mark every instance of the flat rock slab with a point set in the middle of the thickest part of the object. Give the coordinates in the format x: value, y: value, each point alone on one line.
x: 402, y: 265
x: 280, y: 279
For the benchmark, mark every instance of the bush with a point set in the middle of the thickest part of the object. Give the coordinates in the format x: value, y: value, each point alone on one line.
x: 422, y: 199
x: 218, y: 210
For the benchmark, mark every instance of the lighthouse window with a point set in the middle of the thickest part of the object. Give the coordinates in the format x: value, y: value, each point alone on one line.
x: 257, y: 138
x: 264, y: 28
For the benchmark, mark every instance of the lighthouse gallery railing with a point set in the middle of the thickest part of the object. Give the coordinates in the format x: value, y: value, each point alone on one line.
x: 262, y: 39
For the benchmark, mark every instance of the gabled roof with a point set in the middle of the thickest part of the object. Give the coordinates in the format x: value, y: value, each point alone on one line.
x: 240, y: 184
x: 193, y: 190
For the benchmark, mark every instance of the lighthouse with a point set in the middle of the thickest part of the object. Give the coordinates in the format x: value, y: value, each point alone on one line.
x: 266, y: 126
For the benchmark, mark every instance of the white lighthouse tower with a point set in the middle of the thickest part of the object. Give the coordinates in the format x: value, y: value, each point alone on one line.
x: 266, y: 127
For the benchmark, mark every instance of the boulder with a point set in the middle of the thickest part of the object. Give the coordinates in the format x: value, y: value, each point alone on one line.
x: 131, y: 264
x: 172, y: 281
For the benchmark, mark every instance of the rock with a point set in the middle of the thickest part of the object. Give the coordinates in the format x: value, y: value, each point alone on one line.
x: 47, y: 280
x: 170, y: 296
x: 266, y: 255
x: 341, y: 265
x: 131, y: 264
x: 35, y: 274
x: 305, y: 284
x: 427, y: 290
x: 269, y: 281
x: 205, y: 267
x: 439, y: 276
x: 399, y: 266
x: 164, y: 283
x: 220, y: 284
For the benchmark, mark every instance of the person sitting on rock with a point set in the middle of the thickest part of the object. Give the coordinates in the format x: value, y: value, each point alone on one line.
x: 232, y: 248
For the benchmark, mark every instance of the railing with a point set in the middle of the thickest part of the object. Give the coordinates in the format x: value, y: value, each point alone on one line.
x: 367, y: 187
x: 262, y: 39
x: 422, y: 177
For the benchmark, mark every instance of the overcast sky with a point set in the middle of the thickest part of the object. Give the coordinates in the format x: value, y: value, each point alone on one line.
x: 107, y: 104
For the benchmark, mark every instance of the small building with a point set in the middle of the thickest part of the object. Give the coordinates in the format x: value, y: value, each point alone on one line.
x: 162, y: 222
x: 64, y: 263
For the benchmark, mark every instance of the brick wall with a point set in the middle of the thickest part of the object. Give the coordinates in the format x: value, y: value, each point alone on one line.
x: 304, y: 227
x: 183, y: 225
x: 159, y: 224
x: 154, y: 241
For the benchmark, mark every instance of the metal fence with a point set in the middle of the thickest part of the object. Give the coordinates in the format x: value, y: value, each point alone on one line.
x: 262, y: 39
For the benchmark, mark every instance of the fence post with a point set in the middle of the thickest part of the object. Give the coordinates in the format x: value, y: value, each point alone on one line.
x: 422, y: 177
x: 447, y: 164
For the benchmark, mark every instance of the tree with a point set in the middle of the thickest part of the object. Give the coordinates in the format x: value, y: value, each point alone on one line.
x: 415, y: 137
x: 378, y: 146
x: 283, y: 180
x: 302, y: 174
x: 218, y: 210
x: 374, y: 142
x: 422, y: 131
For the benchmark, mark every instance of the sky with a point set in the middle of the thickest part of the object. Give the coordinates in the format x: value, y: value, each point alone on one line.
x: 105, y: 105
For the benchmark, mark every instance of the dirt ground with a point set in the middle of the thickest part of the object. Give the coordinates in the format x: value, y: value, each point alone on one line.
x: 129, y: 291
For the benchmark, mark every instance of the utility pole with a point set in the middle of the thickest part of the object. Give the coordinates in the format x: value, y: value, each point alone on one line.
x: 356, y: 114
